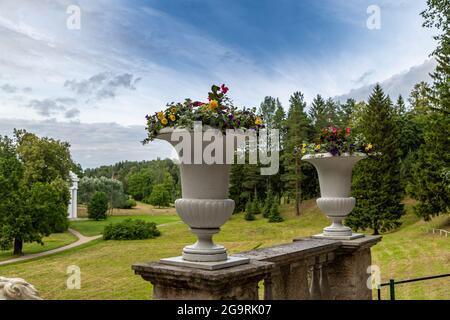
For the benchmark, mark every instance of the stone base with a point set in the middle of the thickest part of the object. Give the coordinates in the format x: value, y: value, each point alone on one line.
x: 213, y: 265
x: 351, y: 237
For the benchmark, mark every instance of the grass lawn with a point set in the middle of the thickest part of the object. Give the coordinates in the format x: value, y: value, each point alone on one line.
x: 106, y: 265
x: 53, y: 241
x: 140, y: 210
x: 93, y: 228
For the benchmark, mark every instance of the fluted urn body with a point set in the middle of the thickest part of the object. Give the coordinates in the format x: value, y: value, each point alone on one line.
x: 335, y: 177
x: 204, y: 205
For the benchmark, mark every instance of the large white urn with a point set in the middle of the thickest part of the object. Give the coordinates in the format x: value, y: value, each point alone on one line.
x: 204, y: 205
x: 335, y: 177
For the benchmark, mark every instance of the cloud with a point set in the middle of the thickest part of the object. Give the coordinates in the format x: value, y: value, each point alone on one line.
x: 102, y: 85
x: 399, y: 84
x: 95, y: 144
x: 8, y: 88
x: 71, y: 113
x: 51, y: 107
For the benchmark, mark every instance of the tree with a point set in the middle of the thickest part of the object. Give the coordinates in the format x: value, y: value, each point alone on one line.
x: 345, y: 112
x: 249, y: 211
x: 44, y: 159
x: 376, y: 180
x: 430, y: 179
x: 297, y: 131
x: 274, y: 215
x: 160, y: 196
x: 113, y: 188
x: 140, y: 184
x: 98, y: 206
x: 318, y: 114
x: 36, y: 195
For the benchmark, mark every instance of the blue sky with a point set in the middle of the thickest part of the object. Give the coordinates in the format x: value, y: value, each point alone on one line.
x: 131, y: 57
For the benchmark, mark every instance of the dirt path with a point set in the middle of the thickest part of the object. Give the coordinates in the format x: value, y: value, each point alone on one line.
x: 81, y: 240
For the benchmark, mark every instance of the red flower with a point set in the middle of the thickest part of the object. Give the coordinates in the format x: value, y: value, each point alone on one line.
x: 223, y: 88
x: 333, y: 129
x: 348, y: 130
x: 198, y: 104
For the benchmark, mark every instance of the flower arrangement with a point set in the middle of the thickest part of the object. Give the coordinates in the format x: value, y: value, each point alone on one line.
x: 337, y: 142
x: 219, y: 112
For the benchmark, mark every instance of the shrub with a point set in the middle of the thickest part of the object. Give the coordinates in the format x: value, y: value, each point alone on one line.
x: 130, y: 203
x: 98, y: 206
x: 249, y: 211
x: 131, y: 229
x: 274, y: 215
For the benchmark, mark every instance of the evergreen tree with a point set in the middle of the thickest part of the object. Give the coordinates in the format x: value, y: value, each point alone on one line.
x: 249, y: 211
x: 318, y: 114
x: 376, y: 180
x: 430, y: 171
x: 298, y: 128
x: 345, y: 112
x: 274, y: 215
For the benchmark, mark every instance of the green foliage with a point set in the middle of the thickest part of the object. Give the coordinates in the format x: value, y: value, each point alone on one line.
x: 274, y: 215
x: 429, y: 183
x: 131, y: 229
x: 376, y: 180
x: 249, y: 211
x: 298, y: 129
x: 98, y: 206
x: 32, y: 204
x: 113, y: 188
x: 160, y: 196
x: 268, y: 205
x: 44, y: 159
x: 130, y: 203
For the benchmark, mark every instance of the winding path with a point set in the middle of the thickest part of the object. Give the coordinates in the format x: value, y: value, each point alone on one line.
x: 81, y: 240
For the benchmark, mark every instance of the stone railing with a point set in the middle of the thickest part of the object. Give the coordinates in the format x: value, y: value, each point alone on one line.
x: 307, y: 268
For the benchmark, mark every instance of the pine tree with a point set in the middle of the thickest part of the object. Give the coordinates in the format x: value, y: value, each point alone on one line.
x: 298, y: 127
x: 345, y: 112
x: 376, y: 181
x: 318, y: 114
x: 274, y: 215
x: 249, y: 211
x: 432, y: 168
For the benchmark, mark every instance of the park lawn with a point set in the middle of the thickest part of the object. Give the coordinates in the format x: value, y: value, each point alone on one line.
x: 92, y: 228
x: 53, y: 241
x: 106, y: 265
x: 141, y: 209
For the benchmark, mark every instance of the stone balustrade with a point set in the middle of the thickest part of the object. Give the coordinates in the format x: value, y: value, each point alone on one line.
x: 307, y: 268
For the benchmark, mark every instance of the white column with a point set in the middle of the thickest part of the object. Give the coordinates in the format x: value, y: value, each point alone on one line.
x: 72, y: 209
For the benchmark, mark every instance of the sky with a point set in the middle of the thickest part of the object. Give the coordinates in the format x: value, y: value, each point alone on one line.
x: 92, y: 86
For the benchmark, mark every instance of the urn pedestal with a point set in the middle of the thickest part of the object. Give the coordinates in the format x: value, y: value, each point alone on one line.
x: 335, y: 176
x: 204, y: 205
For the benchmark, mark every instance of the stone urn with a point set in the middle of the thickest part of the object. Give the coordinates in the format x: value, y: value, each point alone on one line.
x: 204, y: 205
x: 335, y: 177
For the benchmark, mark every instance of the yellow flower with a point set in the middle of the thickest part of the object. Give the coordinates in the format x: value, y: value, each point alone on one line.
x: 164, y: 121
x: 172, y: 117
x: 213, y: 104
x: 369, y: 147
x: 173, y: 110
x: 258, y: 121
x: 160, y: 115
x: 317, y: 147
x: 303, y: 150
x: 304, y: 146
